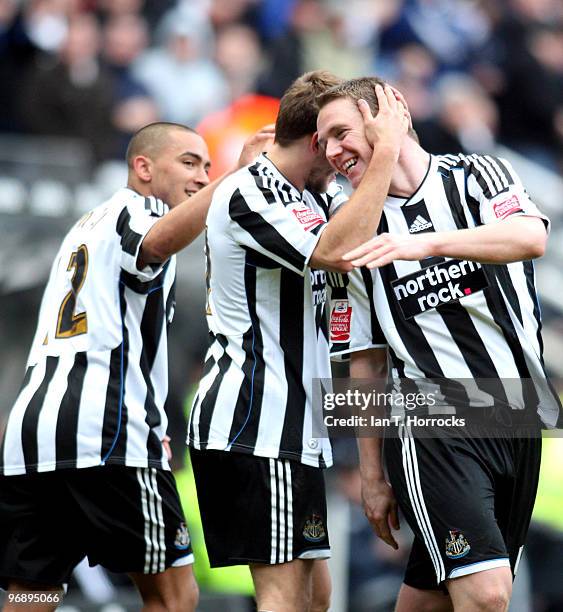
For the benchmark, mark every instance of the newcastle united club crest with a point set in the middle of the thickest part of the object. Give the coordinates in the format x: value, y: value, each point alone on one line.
x: 314, y: 530
x: 456, y: 545
x: 182, y: 540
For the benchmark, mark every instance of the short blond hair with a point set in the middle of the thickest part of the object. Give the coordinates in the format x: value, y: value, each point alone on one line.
x: 357, y: 89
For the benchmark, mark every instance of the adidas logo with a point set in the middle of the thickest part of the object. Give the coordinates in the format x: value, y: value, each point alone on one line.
x: 419, y: 224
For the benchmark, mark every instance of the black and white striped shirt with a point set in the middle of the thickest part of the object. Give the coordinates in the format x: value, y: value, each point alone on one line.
x: 97, y: 373
x: 446, y: 318
x: 267, y: 319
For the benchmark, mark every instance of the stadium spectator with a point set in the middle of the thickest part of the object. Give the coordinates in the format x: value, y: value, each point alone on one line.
x: 316, y: 37
x: 72, y: 95
x: 464, y: 117
x: 452, y: 31
x: 17, y: 51
x: 223, y: 13
x: 286, y: 53
x: 530, y: 41
x: 179, y: 73
x: 125, y: 38
x: 118, y: 8
x: 88, y: 427
x: 238, y: 54
x: 468, y: 510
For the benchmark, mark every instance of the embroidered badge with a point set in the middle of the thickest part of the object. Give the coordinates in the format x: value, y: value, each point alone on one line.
x: 182, y: 540
x: 340, y: 321
x: 314, y: 530
x: 507, y: 207
x: 308, y: 218
x: 457, y: 545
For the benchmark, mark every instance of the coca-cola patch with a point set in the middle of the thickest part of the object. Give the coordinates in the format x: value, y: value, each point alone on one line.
x: 340, y: 321
x: 507, y: 207
x: 308, y: 218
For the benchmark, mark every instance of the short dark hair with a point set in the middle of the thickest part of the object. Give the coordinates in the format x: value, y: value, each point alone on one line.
x: 151, y: 138
x: 355, y: 89
x: 298, y: 112
x: 362, y: 88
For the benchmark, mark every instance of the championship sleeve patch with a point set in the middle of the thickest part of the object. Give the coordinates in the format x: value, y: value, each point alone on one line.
x: 340, y: 321
x: 308, y: 218
x: 507, y: 207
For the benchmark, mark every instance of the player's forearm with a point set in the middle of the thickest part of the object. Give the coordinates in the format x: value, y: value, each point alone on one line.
x: 179, y: 227
x: 371, y: 463
x: 370, y: 366
x: 358, y: 220
x: 517, y: 239
x: 182, y: 225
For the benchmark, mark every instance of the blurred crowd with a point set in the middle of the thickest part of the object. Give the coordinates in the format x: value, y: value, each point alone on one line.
x: 475, y: 72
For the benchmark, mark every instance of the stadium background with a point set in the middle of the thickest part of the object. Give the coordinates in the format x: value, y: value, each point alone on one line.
x: 80, y: 76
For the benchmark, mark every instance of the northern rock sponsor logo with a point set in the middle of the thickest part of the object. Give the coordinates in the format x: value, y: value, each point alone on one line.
x: 439, y: 284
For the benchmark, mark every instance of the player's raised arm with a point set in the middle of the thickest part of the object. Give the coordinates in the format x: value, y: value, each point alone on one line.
x: 186, y: 220
x: 368, y: 164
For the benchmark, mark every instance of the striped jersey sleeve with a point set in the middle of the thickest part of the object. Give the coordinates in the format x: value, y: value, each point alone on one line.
x: 494, y: 190
x: 284, y: 231
x: 353, y: 324
x: 133, y: 224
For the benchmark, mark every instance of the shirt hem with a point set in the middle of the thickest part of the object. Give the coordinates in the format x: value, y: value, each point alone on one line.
x: 291, y: 456
x: 354, y: 349
x: 66, y: 465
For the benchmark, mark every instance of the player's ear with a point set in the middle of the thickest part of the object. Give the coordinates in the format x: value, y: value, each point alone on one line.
x: 315, y: 142
x: 143, y: 168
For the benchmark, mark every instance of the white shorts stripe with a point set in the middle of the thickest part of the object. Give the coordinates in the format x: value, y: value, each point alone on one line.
x: 520, y: 551
x: 417, y: 501
x: 153, y: 522
x: 287, y: 467
x: 414, y: 501
x: 281, y: 556
x: 160, y: 517
x: 147, y: 520
x: 442, y: 574
x: 274, y: 512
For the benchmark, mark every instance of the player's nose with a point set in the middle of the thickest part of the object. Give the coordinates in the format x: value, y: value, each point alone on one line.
x: 333, y: 150
x: 202, y: 179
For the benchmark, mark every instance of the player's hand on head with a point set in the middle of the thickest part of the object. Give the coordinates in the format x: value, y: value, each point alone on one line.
x: 385, y: 248
x: 380, y: 508
x: 257, y: 143
x: 401, y: 99
x: 390, y: 125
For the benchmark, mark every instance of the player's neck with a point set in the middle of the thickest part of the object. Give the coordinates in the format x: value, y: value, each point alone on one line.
x: 139, y: 187
x: 294, y: 162
x: 411, y: 169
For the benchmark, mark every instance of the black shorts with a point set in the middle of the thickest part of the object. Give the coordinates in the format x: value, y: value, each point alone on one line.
x: 468, y: 501
x: 260, y: 510
x: 124, y: 518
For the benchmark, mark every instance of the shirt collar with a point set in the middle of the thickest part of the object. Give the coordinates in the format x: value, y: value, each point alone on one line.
x: 272, y: 170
